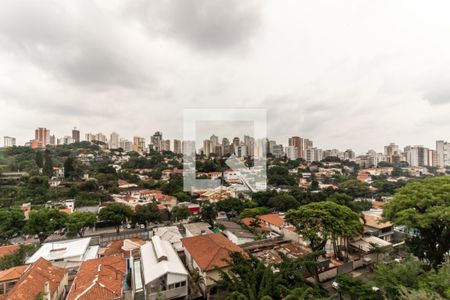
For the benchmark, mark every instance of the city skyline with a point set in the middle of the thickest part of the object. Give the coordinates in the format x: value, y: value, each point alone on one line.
x: 346, y: 77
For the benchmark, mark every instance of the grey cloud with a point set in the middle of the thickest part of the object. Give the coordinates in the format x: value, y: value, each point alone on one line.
x: 203, y: 24
x: 65, y: 44
x: 438, y: 96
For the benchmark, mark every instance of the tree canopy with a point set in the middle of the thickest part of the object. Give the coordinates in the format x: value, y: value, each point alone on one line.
x: 425, y: 206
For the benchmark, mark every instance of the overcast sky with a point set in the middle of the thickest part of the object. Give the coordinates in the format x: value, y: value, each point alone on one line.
x: 347, y: 74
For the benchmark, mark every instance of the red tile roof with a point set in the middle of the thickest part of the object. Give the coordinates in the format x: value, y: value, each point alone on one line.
x: 115, y: 247
x: 99, y: 279
x: 210, y: 250
x: 32, y: 282
x: 273, y: 219
x: 12, y: 273
x: 7, y: 250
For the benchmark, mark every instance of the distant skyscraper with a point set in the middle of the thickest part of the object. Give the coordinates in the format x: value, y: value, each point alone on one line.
x: 76, y: 135
x: 420, y: 156
x: 138, y: 144
x: 9, y: 141
x: 166, y: 145
x: 442, y: 154
x: 41, y: 138
x: 207, y: 148
x: 125, y: 144
x: 349, y: 154
x: 156, y: 141
x: 292, y: 152
x: 101, y: 137
x: 297, y: 142
x: 226, y: 146
x: 52, y: 140
x: 177, y: 146
x: 90, y: 137
x: 114, y: 141
x: 236, y: 142
x: 214, y: 143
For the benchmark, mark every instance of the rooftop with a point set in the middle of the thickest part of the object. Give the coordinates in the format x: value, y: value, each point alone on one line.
x: 159, y: 258
x: 198, y: 228
x: 236, y: 229
x: 8, y: 249
x: 12, y: 273
x: 99, y: 279
x: 32, y: 282
x: 210, y: 250
x: 61, y: 250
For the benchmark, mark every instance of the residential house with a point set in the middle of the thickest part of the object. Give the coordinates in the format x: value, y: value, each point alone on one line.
x: 8, y: 250
x: 67, y: 254
x: 198, y: 228
x: 273, y: 221
x: 206, y: 252
x: 375, y: 226
x: 235, y: 233
x: 9, y: 278
x: 170, y: 234
x: 99, y: 279
x: 123, y: 247
x: 163, y: 273
x: 42, y: 278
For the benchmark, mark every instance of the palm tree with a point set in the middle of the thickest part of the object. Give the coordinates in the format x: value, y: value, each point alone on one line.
x: 195, y: 281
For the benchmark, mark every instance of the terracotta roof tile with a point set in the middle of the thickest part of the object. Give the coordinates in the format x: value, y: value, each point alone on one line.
x: 7, y: 250
x: 272, y: 219
x: 12, y: 273
x: 32, y: 282
x: 99, y: 279
x: 210, y: 250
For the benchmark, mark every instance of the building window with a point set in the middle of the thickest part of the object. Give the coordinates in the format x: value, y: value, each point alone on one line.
x: 183, y: 283
x: 177, y: 285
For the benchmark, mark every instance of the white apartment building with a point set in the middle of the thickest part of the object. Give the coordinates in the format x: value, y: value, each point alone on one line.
x: 9, y: 141
x: 442, y: 154
x: 114, y: 141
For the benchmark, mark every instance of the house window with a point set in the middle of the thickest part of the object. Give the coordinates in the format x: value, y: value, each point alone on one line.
x: 171, y: 286
x: 183, y: 283
x: 177, y: 285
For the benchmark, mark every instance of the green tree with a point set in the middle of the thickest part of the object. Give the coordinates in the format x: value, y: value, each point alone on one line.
x: 255, y: 211
x: 11, y: 223
x: 208, y: 213
x: 355, y: 188
x: 39, y: 159
x: 355, y: 289
x: 45, y: 222
x: 115, y: 213
x: 425, y: 206
x: 78, y: 221
x: 18, y: 257
x: 148, y: 213
x: 48, y: 164
x: 69, y: 168
x: 232, y: 206
x: 320, y: 221
x: 283, y: 202
x: 180, y: 213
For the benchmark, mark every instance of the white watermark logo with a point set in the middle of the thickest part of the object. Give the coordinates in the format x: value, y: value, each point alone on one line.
x: 252, y: 178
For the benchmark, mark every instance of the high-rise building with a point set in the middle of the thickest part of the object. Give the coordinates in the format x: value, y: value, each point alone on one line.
x: 292, y: 152
x: 420, y: 156
x: 156, y: 141
x: 214, y: 143
x: 177, y: 146
x: 90, y: 137
x: 9, y: 141
x: 138, y: 144
x: 165, y: 145
x: 226, y: 146
x: 236, y: 141
x: 442, y: 154
x: 349, y: 154
x: 53, y: 140
x: 41, y: 138
x: 125, y: 144
x: 313, y: 154
x: 101, y: 137
x: 207, y: 148
x: 76, y: 135
x: 296, y: 142
x: 114, y: 141
x: 271, y: 146
x: 66, y: 140
x: 277, y: 151
x: 241, y: 151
